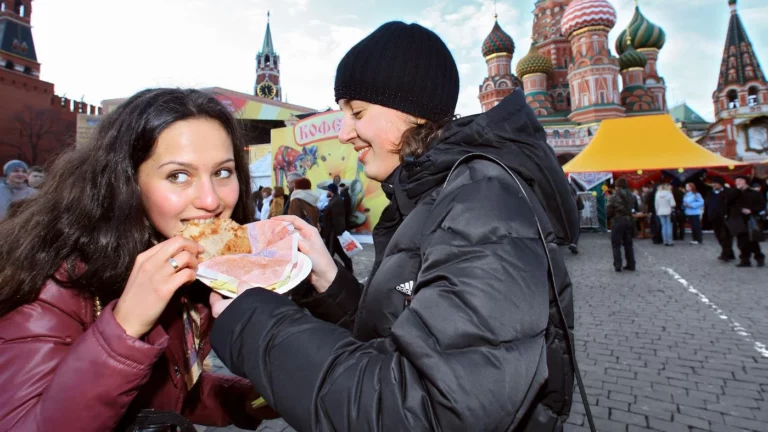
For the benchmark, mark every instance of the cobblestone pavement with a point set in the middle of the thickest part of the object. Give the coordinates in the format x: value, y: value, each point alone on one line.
x: 673, y: 346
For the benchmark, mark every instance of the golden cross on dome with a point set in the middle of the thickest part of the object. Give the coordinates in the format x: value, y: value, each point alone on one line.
x: 495, y: 13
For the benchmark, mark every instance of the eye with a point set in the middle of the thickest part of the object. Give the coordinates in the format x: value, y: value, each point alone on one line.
x: 224, y: 173
x: 178, y: 177
x: 356, y: 114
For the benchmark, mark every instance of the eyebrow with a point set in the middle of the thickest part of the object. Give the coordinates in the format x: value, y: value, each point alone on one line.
x: 192, y: 166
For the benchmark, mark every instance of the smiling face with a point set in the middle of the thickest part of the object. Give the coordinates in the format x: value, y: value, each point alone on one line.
x: 375, y: 131
x: 17, y: 176
x: 189, y: 175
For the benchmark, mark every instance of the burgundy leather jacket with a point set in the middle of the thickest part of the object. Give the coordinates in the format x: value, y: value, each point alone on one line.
x: 65, y: 369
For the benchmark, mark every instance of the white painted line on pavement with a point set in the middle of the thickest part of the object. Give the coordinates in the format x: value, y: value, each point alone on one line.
x: 736, y: 327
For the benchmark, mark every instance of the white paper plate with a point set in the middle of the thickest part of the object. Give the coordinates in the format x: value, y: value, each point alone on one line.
x: 299, y: 272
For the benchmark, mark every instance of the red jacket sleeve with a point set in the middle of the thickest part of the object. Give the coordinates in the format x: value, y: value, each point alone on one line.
x: 58, y: 376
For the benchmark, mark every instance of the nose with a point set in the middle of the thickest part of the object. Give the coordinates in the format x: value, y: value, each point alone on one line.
x: 347, y: 133
x: 206, y: 196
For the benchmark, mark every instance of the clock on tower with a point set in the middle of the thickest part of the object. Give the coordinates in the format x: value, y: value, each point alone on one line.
x: 268, y: 69
x: 266, y: 90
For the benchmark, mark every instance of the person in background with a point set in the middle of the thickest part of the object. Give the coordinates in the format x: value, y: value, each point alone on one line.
x: 258, y: 201
x: 716, y: 212
x: 649, y: 198
x: 621, y: 206
x: 36, y: 177
x: 664, y: 206
x: 693, y: 204
x: 334, y: 225
x: 304, y: 203
x: 266, y: 195
x: 744, y: 203
x: 277, y: 205
x: 14, y: 188
x: 291, y: 177
x: 347, y: 197
x: 101, y: 315
x: 678, y: 217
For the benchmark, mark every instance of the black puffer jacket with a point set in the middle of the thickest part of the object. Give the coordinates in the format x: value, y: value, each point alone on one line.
x: 476, y: 348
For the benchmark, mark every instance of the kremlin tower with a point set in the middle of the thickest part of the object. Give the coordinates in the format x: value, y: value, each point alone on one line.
x: 498, y: 49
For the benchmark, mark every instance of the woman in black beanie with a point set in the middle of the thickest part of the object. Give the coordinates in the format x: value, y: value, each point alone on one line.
x: 463, y: 322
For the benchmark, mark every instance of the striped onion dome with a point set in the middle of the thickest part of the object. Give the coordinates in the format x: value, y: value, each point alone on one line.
x: 632, y: 59
x: 498, y: 41
x: 534, y: 62
x: 644, y: 33
x: 587, y: 13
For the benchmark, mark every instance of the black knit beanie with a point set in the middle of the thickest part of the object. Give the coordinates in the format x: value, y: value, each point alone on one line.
x: 401, y: 66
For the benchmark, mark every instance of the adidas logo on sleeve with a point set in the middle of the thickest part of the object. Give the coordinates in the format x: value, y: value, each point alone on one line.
x: 405, y: 288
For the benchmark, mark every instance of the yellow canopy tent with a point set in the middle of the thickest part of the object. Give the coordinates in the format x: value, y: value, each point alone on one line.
x: 651, y: 142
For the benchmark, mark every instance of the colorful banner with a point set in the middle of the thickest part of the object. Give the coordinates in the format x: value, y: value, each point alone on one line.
x: 312, y: 149
x: 243, y: 107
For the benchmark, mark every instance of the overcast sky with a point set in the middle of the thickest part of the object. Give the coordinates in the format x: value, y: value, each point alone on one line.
x: 103, y: 49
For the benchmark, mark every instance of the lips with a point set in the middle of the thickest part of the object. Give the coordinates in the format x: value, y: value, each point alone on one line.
x: 362, y: 152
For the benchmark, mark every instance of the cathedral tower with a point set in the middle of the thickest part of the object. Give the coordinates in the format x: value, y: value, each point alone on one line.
x: 550, y: 42
x: 268, y: 70
x: 741, y: 81
x: 594, y: 73
x: 635, y: 97
x: 498, y: 49
x: 534, y: 69
x: 647, y: 38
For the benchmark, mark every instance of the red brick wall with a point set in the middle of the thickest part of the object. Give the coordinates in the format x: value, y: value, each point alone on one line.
x: 34, y: 126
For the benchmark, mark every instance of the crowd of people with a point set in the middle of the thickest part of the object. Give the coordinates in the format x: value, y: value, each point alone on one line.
x: 19, y: 182
x: 738, y: 212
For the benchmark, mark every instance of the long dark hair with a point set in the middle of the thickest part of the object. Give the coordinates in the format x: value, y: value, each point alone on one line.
x: 87, y: 225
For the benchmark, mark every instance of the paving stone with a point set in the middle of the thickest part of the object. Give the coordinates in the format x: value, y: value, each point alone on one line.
x: 628, y: 417
x: 609, y: 403
x: 742, y: 402
x: 604, y: 425
x: 690, y: 401
x: 666, y: 426
x: 622, y: 397
x: 737, y: 392
x: 731, y: 410
x: 690, y: 421
x: 745, y: 423
x: 714, y: 417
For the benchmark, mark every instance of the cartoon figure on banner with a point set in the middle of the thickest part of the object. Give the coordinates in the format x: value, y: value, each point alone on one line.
x: 288, y: 160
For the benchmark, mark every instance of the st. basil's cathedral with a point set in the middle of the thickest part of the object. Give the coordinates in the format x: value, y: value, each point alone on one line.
x: 571, y: 77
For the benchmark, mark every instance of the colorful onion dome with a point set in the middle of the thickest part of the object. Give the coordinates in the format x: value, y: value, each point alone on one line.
x: 586, y: 13
x: 644, y: 33
x: 498, y: 41
x: 534, y: 62
x: 632, y: 58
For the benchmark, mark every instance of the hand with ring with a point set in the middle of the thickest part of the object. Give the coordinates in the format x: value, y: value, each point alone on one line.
x: 157, y: 274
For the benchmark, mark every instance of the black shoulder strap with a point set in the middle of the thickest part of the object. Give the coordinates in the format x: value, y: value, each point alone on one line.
x: 569, y: 341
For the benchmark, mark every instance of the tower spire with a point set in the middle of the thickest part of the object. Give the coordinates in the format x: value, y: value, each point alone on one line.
x: 268, y: 47
x: 739, y: 65
x: 495, y: 12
